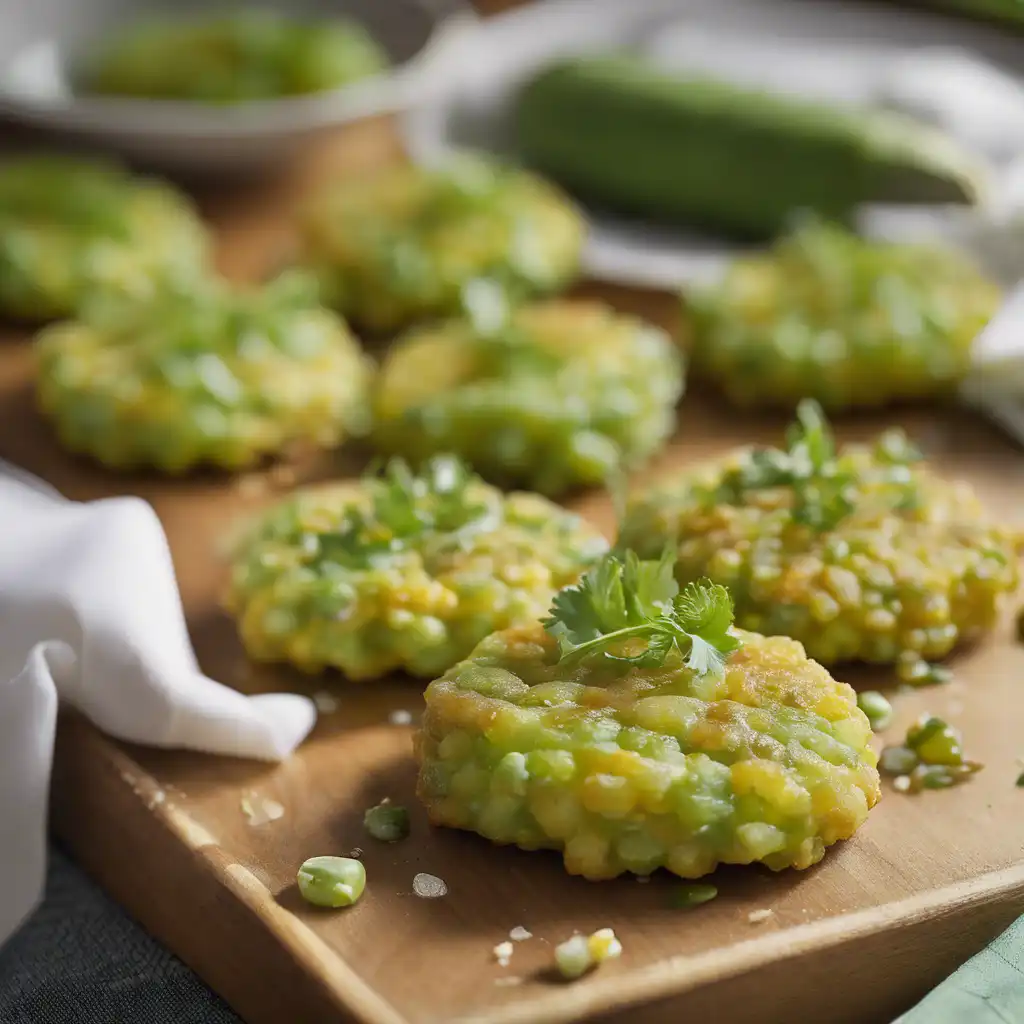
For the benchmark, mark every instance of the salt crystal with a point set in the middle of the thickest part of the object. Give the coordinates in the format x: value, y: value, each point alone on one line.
x: 261, y: 810
x: 901, y: 783
x: 503, y: 953
x: 400, y: 717
x: 520, y: 934
x: 511, y: 980
x: 757, y: 916
x: 430, y: 887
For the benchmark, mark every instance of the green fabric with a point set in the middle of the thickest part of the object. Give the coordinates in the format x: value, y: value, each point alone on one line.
x: 988, y: 989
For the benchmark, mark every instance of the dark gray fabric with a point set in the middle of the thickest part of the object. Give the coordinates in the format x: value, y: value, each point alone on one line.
x: 82, y: 960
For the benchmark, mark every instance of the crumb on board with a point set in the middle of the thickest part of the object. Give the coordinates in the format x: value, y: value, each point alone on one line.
x: 513, y: 979
x: 429, y: 887
x: 283, y: 475
x: 580, y: 953
x: 503, y: 953
x: 400, y: 717
x: 356, y: 853
x: 520, y: 934
x: 757, y: 916
x: 252, y: 485
x: 326, y: 703
x: 261, y: 810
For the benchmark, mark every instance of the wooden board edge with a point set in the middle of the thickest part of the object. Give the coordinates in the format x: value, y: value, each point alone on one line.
x: 995, y: 899
x: 101, y: 797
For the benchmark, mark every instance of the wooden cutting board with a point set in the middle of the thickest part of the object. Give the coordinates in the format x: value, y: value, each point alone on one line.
x: 927, y: 881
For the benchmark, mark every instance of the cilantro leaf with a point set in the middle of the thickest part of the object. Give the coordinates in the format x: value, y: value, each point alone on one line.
x: 623, y: 598
x: 704, y: 610
x: 823, y: 488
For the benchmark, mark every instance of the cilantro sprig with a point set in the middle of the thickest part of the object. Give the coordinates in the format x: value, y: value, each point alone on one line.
x: 824, y: 487
x: 623, y: 598
x: 405, y: 506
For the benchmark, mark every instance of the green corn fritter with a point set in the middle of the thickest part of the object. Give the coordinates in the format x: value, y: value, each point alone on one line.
x: 71, y: 226
x: 206, y: 373
x: 559, y: 395
x: 404, y: 244
x: 233, y: 57
x: 861, y: 553
x: 849, y: 322
x: 635, y: 755
x: 400, y: 572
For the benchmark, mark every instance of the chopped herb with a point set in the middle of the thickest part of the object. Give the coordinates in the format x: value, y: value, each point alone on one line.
x: 823, y: 485
x: 686, y: 896
x: 387, y: 822
x: 1020, y: 780
x: 625, y: 599
x: 405, y: 506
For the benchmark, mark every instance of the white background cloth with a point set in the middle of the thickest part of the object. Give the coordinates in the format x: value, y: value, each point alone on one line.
x: 90, y: 614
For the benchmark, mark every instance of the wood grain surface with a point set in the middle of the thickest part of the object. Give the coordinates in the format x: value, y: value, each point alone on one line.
x: 925, y: 883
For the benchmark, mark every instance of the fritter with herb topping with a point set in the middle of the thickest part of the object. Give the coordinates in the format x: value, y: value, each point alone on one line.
x: 405, y: 243
x: 70, y: 226
x: 402, y: 571
x: 635, y: 729
x: 849, y: 322
x: 232, y: 57
x: 861, y: 554
x: 204, y: 373
x: 550, y: 396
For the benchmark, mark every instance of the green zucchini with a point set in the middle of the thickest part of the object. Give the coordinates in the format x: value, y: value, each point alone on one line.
x: 1010, y: 12
x: 623, y: 134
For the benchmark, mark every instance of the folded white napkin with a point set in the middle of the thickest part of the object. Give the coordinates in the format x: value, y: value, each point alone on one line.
x: 90, y: 615
x: 996, y: 384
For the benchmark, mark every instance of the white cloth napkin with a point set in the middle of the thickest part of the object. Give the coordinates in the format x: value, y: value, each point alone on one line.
x: 90, y: 615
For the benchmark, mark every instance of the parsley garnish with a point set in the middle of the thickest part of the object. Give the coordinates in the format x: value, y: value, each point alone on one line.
x: 405, y: 506
x: 622, y: 598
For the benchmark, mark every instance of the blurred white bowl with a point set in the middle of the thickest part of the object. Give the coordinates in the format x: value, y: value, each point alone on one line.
x: 42, y: 42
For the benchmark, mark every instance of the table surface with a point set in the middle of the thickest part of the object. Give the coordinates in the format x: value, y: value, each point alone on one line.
x: 49, y: 973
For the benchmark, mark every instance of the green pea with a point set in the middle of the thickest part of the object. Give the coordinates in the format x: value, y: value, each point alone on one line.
x: 331, y: 881
x: 897, y: 761
x: 387, y: 822
x: 876, y: 707
x: 935, y: 742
